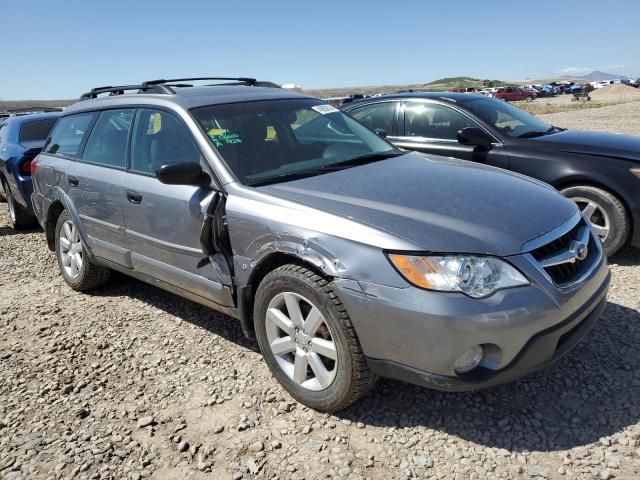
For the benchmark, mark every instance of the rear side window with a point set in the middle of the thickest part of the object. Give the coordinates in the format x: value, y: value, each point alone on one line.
x: 159, y: 139
x: 107, y: 143
x: 379, y: 115
x: 36, y: 130
x: 68, y: 134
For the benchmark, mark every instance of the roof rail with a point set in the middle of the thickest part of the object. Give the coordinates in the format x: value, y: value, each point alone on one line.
x: 163, y: 86
x: 120, y: 89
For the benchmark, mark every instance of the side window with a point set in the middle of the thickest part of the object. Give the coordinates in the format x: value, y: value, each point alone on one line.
x: 378, y: 115
x: 431, y: 120
x: 3, y: 133
x: 107, y: 143
x: 68, y: 134
x: 159, y: 139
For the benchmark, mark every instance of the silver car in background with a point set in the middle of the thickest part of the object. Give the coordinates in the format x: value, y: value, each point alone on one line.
x: 347, y: 258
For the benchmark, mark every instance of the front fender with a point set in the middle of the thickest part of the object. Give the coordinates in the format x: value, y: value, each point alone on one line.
x: 306, y: 250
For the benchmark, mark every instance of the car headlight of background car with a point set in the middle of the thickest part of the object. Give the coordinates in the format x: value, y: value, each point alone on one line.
x: 475, y: 276
x: 635, y: 171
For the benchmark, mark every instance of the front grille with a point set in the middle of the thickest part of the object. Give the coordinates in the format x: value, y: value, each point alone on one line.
x: 560, y: 257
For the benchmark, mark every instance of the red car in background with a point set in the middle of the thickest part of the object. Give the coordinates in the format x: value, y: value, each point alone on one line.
x: 513, y: 94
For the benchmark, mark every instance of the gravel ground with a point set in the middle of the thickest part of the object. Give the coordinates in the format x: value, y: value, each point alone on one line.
x: 132, y: 382
x: 623, y: 118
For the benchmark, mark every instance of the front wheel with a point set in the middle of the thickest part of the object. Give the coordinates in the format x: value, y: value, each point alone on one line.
x: 607, y: 214
x: 529, y: 99
x: 308, y: 340
x: 76, y: 267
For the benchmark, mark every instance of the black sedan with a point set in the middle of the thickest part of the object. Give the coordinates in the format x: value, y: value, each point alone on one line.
x: 599, y: 171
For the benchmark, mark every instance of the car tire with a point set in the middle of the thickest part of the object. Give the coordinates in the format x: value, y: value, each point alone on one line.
x: 605, y: 211
x: 3, y: 195
x: 76, y: 267
x: 529, y: 99
x: 347, y: 377
x: 19, y: 218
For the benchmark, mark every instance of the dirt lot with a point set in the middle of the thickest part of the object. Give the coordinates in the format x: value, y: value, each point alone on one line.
x: 131, y: 382
x: 623, y: 118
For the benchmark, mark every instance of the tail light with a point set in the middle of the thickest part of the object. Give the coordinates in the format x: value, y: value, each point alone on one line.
x: 25, y: 167
x: 27, y: 163
x: 33, y: 164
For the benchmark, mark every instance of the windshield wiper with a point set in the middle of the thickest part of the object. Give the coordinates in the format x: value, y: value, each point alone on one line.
x: 362, y: 160
x: 334, y: 167
x: 538, y: 134
x: 287, y: 177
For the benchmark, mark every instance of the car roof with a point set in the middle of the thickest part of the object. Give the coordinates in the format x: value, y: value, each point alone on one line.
x: 455, y: 97
x: 189, y: 97
x: 30, y: 117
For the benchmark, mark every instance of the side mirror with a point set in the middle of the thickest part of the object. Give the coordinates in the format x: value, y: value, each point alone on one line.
x: 381, y: 132
x: 475, y: 137
x: 185, y: 173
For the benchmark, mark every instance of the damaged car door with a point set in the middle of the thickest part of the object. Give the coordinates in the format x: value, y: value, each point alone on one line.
x: 164, y: 221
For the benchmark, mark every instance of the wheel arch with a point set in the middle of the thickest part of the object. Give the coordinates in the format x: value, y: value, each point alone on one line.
x: 246, y: 294
x: 579, y: 182
x: 54, y: 211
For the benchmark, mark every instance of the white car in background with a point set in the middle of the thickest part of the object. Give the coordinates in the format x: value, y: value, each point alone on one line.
x: 488, y: 92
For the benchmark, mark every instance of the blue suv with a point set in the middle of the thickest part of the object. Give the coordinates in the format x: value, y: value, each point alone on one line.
x: 21, y: 139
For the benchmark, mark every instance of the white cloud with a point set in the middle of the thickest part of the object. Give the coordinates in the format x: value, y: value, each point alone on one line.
x: 573, y: 70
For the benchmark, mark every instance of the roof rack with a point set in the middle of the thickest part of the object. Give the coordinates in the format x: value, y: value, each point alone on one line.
x: 164, y: 86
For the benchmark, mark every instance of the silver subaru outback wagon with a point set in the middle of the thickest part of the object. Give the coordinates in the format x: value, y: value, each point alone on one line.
x: 347, y: 258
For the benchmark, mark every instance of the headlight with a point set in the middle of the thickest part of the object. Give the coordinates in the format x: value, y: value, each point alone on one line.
x: 636, y: 172
x: 475, y: 276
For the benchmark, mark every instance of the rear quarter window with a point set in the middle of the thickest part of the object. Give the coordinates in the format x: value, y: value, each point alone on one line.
x: 36, y: 130
x: 68, y: 135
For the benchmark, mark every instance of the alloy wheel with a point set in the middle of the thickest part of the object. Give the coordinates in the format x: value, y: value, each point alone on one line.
x: 71, y: 252
x: 301, y: 341
x: 596, y: 215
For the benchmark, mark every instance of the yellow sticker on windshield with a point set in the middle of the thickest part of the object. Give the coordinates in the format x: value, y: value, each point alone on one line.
x: 216, y: 132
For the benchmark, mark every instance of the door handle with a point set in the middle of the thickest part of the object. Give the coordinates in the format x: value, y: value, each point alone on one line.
x: 73, y: 181
x: 134, y: 197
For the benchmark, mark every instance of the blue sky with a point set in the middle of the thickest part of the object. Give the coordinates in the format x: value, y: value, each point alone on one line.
x: 60, y: 48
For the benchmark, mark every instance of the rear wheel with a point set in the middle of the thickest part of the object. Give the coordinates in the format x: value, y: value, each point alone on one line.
x: 607, y: 214
x: 529, y: 99
x: 19, y: 217
x: 75, y: 266
x: 308, y: 340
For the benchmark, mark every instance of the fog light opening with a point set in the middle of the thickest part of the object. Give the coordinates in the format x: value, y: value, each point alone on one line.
x: 469, y: 360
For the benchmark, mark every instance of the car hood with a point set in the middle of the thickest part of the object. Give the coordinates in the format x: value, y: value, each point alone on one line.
x: 439, y: 204
x: 602, y: 144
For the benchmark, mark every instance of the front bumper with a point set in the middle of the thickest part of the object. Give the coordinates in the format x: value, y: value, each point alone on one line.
x: 417, y: 335
x: 542, y: 350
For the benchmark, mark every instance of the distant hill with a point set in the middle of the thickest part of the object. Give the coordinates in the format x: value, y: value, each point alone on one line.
x: 439, y: 85
x: 597, y: 76
x: 17, y: 104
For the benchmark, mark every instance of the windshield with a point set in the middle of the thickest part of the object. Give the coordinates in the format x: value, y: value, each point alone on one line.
x: 508, y: 119
x: 276, y: 140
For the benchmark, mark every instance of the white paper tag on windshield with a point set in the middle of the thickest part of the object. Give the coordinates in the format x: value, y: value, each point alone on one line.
x: 325, y: 109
